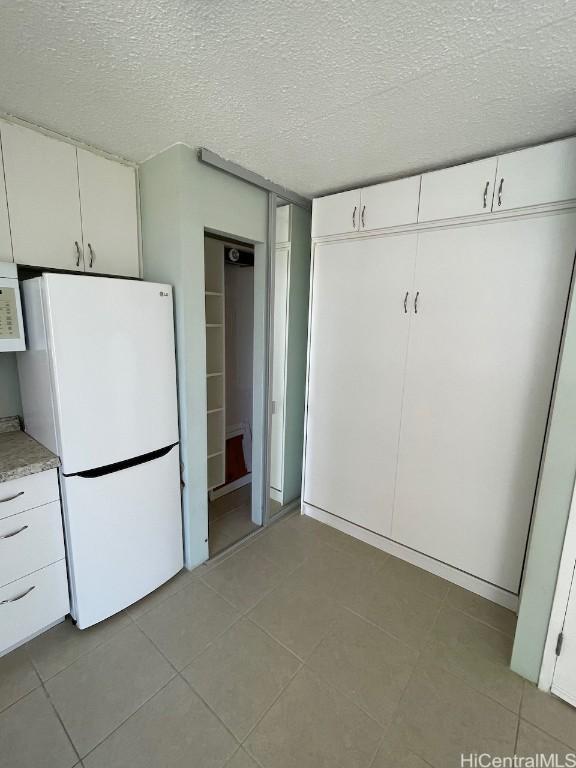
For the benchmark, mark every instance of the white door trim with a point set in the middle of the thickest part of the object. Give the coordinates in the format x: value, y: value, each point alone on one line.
x: 561, y: 595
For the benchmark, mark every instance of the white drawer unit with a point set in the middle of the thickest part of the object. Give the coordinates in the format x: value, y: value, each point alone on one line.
x: 28, y: 492
x: 29, y: 541
x: 32, y: 604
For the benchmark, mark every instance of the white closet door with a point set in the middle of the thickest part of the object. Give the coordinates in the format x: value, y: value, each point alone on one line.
x: 359, y: 333
x: 42, y: 188
x: 109, y: 215
x: 480, y: 369
x: 564, y: 682
x: 279, y: 369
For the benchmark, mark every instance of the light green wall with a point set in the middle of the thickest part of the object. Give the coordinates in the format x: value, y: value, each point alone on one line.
x: 551, y: 515
x: 10, y: 404
x: 299, y: 289
x: 180, y: 198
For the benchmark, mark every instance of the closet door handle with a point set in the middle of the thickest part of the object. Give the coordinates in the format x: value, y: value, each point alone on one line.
x: 18, y: 597
x: 416, y: 302
x: 92, y: 257
x: 14, y: 533
x: 363, y: 216
x: 500, y: 186
x: 406, y: 303
x: 78, y: 254
x: 486, y: 194
x: 354, y: 217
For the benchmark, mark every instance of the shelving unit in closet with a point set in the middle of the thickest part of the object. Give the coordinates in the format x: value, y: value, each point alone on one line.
x: 215, y: 362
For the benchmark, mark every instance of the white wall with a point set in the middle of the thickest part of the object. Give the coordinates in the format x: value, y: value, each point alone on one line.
x: 180, y: 199
x: 239, y: 289
x: 10, y: 404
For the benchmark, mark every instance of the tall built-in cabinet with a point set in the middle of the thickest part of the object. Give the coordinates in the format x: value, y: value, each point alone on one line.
x: 432, y: 358
x: 64, y: 207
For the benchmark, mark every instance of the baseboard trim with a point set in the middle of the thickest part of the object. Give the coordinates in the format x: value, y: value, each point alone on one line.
x: 465, y: 580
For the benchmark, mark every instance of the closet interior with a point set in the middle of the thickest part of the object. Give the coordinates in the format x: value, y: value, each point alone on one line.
x: 229, y: 312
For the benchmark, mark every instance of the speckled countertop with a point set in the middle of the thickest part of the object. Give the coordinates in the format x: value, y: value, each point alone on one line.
x: 20, y: 454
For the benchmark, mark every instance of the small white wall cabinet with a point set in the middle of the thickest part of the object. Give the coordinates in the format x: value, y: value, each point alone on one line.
x: 69, y: 208
x: 536, y: 176
x: 33, y: 580
x: 381, y: 205
x: 109, y: 215
x: 5, y: 239
x: 464, y: 190
x: 42, y: 188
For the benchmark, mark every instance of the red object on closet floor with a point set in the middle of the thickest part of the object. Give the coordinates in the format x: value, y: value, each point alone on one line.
x: 235, y: 463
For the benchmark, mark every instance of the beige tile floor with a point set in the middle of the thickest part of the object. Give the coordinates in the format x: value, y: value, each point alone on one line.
x: 302, y: 649
x: 230, y: 519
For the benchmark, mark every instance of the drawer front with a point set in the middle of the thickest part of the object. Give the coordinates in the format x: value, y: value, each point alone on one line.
x: 30, y: 604
x: 28, y: 492
x: 29, y: 541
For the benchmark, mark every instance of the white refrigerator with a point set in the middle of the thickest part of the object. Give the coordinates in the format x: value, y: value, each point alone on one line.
x: 98, y: 385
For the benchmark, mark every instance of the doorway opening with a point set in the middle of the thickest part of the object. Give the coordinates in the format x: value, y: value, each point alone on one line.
x: 229, y: 304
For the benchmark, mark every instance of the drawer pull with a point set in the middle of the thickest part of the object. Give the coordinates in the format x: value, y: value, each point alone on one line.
x: 11, y: 498
x: 18, y: 597
x: 14, y: 533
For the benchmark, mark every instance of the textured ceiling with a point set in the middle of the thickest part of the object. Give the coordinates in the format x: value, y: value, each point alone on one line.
x: 314, y: 94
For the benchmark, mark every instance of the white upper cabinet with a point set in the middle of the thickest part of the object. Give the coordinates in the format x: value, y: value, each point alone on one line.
x: 536, y: 176
x: 389, y: 205
x: 283, y: 223
x: 42, y: 187
x: 336, y: 214
x: 109, y: 215
x: 5, y: 239
x: 464, y: 190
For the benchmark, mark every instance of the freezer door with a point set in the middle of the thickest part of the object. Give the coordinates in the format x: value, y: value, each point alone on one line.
x: 123, y: 535
x: 113, y: 366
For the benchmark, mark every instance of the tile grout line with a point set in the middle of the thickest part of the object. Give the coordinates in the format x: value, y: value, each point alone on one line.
x: 58, y: 717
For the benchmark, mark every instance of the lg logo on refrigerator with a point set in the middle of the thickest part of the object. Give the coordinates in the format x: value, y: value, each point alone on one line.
x: 164, y: 293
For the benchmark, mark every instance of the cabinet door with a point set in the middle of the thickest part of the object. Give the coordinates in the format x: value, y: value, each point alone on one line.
x: 479, y: 376
x: 42, y: 187
x: 564, y: 682
x: 535, y: 176
x: 336, y: 214
x: 464, y: 190
x: 109, y: 215
x: 5, y: 240
x: 279, y: 369
x: 358, y: 339
x: 390, y: 205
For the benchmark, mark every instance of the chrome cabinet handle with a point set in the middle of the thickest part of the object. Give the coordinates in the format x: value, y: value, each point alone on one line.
x: 500, y: 191
x: 363, y: 216
x: 486, y: 194
x: 18, y: 597
x: 416, y: 302
x: 14, y: 533
x: 406, y: 303
x: 354, y: 216
x: 78, y: 254
x: 11, y: 498
x: 92, y: 257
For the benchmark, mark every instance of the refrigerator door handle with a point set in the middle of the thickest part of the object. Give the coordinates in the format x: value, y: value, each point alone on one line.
x: 126, y: 464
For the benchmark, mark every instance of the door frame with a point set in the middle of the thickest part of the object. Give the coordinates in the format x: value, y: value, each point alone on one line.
x: 564, y: 583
